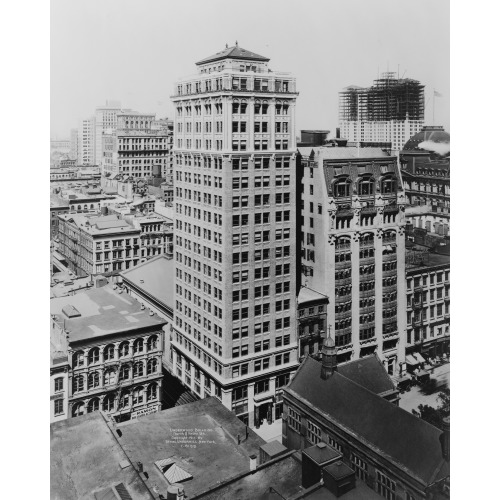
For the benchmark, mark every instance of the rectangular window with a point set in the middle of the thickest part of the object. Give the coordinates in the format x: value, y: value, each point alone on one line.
x: 294, y: 420
x: 359, y: 466
x: 313, y: 433
x: 385, y: 487
x: 58, y: 406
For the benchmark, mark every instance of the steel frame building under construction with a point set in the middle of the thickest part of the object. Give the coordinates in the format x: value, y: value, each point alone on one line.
x: 391, y: 110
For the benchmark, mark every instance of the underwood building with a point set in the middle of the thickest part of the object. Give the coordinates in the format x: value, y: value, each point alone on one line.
x: 391, y: 110
x: 353, y: 247
x: 235, y: 283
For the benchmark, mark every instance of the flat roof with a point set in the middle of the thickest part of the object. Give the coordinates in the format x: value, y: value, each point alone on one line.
x: 309, y: 295
x: 85, y: 458
x: 103, y: 312
x: 215, y: 457
x: 284, y: 476
x: 344, y: 152
x: 155, y: 277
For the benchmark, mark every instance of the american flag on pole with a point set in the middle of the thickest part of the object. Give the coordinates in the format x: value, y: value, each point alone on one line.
x: 437, y: 94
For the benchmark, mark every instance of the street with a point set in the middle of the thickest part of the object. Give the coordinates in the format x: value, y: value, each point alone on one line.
x: 416, y: 395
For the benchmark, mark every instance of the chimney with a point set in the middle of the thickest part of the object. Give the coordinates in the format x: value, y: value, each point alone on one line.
x: 445, y: 439
x: 329, y: 357
x: 253, y: 462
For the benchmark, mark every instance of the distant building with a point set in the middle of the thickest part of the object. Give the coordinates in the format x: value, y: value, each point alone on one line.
x: 94, y: 245
x: 106, y: 244
x: 114, y: 348
x: 141, y: 146
x: 391, y: 110
x: 58, y: 207
x: 353, y: 247
x: 427, y: 304
x: 105, y: 119
x: 73, y: 148
x: 393, y: 452
x: 62, y: 145
x: 425, y: 169
x: 86, y: 142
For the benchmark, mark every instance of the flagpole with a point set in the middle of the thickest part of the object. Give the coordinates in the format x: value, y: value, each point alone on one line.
x: 433, y: 104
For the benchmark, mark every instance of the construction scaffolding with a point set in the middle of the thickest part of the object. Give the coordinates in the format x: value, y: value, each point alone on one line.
x: 389, y: 98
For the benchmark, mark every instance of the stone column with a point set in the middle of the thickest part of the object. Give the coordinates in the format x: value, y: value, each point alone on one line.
x: 379, y: 290
x: 251, y: 406
x: 355, y: 293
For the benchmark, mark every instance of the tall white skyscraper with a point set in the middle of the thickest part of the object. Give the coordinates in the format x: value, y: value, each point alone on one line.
x: 235, y: 220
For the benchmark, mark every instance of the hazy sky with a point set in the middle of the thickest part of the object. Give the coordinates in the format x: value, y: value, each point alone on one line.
x: 135, y: 50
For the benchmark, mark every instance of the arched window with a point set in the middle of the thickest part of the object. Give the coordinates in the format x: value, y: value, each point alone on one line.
x: 78, y: 409
x: 78, y: 383
x: 138, y: 395
x: 138, y: 346
x: 152, y: 343
x: 78, y: 359
x: 124, y: 372
x: 366, y: 186
x: 94, y: 356
x: 93, y: 405
x: 108, y: 403
x: 367, y: 239
x: 152, y: 364
x: 109, y: 352
x: 125, y: 399
x: 93, y: 380
x: 138, y: 369
x: 124, y: 349
x: 388, y: 185
x: 79, y: 207
x: 342, y: 188
x: 109, y: 377
x: 152, y: 392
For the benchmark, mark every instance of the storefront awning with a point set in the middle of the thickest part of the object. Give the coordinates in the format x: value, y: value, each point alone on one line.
x: 418, y: 357
x: 411, y: 360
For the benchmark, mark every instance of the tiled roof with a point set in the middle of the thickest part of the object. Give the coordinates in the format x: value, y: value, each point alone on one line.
x: 406, y: 440
x: 235, y: 53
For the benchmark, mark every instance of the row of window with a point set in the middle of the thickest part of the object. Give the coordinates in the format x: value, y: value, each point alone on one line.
x: 109, y: 351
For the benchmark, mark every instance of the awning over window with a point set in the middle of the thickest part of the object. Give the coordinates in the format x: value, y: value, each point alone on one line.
x: 418, y: 357
x: 411, y: 360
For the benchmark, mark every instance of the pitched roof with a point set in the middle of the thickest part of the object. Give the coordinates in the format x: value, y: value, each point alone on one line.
x: 153, y: 277
x: 234, y: 53
x: 406, y: 440
x: 367, y: 372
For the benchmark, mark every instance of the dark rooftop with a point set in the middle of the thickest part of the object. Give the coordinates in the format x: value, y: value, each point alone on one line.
x: 154, y: 277
x: 367, y: 372
x: 407, y: 441
x: 234, y: 53
x: 321, y: 453
x: 103, y: 311
x: 283, y: 475
x: 216, y: 456
x: 86, y: 458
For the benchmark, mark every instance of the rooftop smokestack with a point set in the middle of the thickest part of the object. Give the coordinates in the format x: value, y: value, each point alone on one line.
x: 329, y: 357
